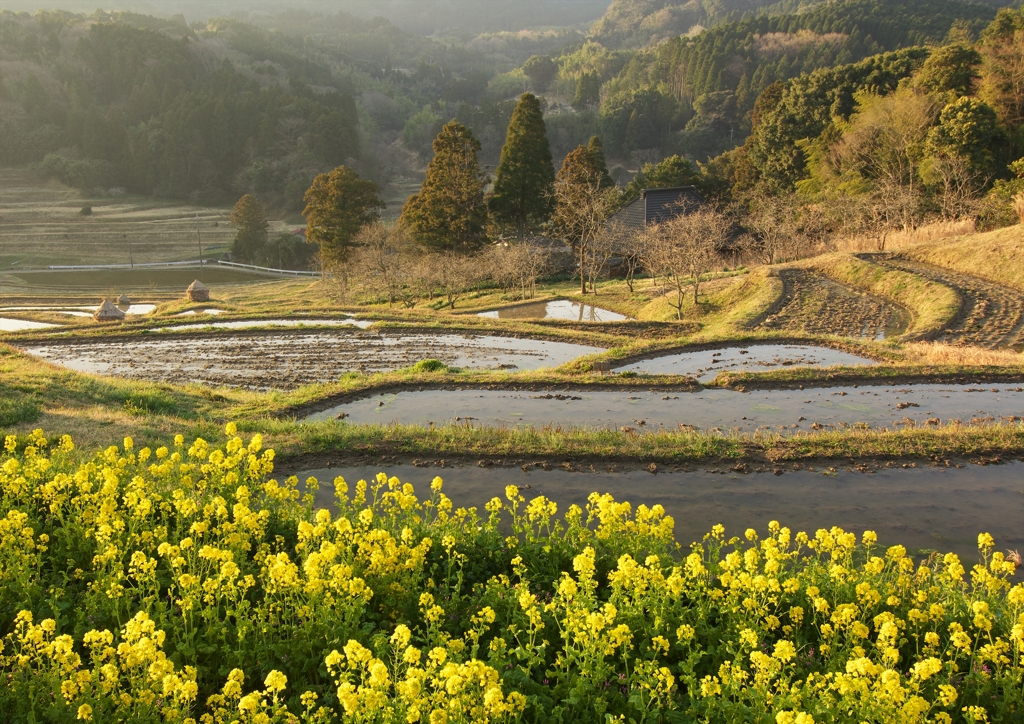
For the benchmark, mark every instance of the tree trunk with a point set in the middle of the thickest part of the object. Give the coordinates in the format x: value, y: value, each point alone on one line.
x: 583, y: 268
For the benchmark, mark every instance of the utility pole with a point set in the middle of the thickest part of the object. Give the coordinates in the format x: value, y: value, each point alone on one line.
x: 199, y: 239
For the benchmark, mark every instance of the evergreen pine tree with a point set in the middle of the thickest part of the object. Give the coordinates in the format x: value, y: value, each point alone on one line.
x: 338, y: 204
x: 248, y: 218
x: 448, y: 214
x: 523, y: 194
x: 596, y: 150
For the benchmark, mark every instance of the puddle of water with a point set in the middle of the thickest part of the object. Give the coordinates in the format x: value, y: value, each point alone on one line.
x: 270, y: 361
x: 558, y: 309
x: 85, y: 311
x: 193, y: 312
x: 706, y: 364
x: 932, y: 508
x: 775, y: 410
x: 21, y: 325
x: 248, y: 323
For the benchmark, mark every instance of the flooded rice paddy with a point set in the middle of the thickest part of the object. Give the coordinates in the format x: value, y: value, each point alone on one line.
x: 249, y: 323
x: 920, y: 508
x: 289, y: 360
x: 192, y: 312
x: 21, y: 325
x: 782, y: 411
x: 82, y: 311
x: 558, y: 309
x: 706, y: 364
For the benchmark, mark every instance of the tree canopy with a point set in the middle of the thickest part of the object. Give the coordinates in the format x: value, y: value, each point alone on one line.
x: 523, y: 195
x: 248, y: 217
x: 338, y: 205
x: 449, y: 213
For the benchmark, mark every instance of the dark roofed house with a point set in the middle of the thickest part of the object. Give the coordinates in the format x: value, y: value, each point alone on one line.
x: 654, y: 206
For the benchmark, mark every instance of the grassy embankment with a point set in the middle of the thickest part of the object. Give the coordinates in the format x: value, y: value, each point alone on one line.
x: 995, y: 255
x: 96, y: 410
x: 931, y: 305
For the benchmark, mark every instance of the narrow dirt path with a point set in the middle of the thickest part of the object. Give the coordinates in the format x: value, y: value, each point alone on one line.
x: 991, y: 315
x: 812, y: 303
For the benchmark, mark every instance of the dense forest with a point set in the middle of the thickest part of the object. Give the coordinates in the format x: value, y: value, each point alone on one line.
x: 211, y: 110
x: 694, y: 94
x: 636, y: 23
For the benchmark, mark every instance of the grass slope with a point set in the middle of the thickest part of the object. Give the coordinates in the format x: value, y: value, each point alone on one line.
x: 995, y: 255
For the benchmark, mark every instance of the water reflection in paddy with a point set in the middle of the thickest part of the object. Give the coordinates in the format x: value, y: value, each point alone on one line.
x: 706, y: 364
x: 786, y: 411
x: 558, y: 309
x: 83, y: 311
x: 932, y: 507
x: 248, y: 323
x: 21, y: 325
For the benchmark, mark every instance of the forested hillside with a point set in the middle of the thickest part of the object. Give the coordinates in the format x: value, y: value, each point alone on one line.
x: 636, y: 23
x: 155, y: 107
x: 694, y: 95
x: 210, y: 110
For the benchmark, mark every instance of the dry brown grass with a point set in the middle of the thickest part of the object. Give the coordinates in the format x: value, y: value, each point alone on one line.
x: 900, y: 239
x: 937, y: 353
x: 995, y: 255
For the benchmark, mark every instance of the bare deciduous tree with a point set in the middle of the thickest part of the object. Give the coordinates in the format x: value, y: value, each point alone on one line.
x: 516, y: 266
x: 450, y: 273
x: 959, y: 185
x: 604, y: 244
x: 684, y: 250
x: 582, y: 206
x: 383, y: 260
x: 630, y: 250
x: 773, y: 222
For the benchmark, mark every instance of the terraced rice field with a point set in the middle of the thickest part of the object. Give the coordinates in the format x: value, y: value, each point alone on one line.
x: 990, y: 316
x: 814, y: 304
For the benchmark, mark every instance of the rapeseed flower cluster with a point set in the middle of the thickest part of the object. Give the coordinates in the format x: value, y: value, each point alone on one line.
x: 184, y: 584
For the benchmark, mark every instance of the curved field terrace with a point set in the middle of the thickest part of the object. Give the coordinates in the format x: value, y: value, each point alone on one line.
x: 706, y: 364
x: 817, y: 305
x: 289, y: 360
x: 786, y: 412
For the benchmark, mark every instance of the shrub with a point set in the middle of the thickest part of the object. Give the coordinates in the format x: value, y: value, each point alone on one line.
x: 159, y: 585
x: 430, y: 365
x: 85, y: 211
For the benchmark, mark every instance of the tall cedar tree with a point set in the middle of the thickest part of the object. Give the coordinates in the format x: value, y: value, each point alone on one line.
x: 583, y: 204
x: 596, y: 150
x: 251, y: 239
x: 449, y: 212
x: 339, y: 204
x: 524, y: 181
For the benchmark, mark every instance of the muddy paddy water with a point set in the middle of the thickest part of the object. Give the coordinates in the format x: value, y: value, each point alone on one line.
x: 783, y: 411
x: 706, y: 364
x: 289, y: 360
x: 250, y: 323
x: 920, y: 508
x: 558, y: 309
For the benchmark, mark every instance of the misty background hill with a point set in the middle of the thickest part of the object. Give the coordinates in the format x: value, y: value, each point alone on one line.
x: 208, y: 101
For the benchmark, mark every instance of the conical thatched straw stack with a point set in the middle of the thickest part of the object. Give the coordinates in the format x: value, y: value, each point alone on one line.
x: 198, y: 292
x: 123, y: 299
x: 108, y: 313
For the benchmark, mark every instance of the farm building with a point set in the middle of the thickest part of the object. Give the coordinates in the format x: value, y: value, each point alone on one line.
x: 653, y: 206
